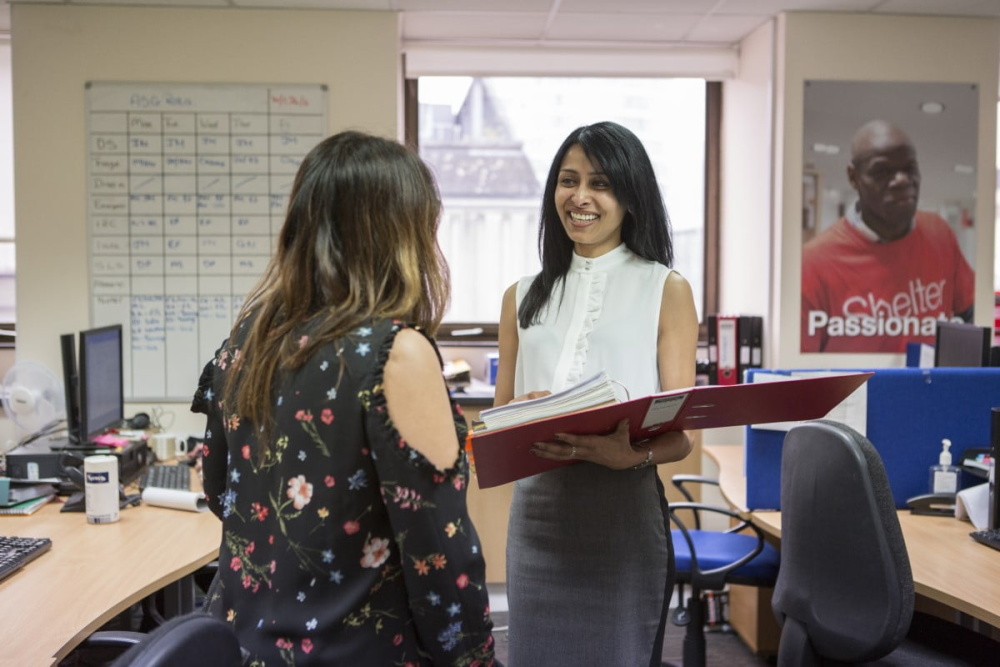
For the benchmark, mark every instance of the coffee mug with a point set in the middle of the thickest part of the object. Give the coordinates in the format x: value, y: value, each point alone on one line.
x: 165, y: 446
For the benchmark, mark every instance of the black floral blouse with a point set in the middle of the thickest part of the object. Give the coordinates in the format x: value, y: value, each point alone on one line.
x: 345, y: 546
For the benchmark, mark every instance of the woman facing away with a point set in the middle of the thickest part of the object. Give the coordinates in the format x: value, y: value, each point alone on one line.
x: 589, y: 556
x: 333, y: 452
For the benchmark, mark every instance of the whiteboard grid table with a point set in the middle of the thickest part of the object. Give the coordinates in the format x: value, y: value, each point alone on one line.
x: 187, y: 189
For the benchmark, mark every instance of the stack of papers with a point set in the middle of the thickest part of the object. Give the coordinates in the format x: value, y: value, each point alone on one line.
x: 592, y: 392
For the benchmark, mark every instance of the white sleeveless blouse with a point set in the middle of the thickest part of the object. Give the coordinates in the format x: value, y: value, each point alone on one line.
x: 607, y: 319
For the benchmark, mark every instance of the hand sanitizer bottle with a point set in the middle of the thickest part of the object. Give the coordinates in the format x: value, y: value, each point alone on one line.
x: 944, y: 476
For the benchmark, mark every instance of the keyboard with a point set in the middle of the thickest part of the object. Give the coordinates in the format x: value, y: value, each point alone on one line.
x: 15, y: 552
x: 166, y: 476
x: 990, y: 538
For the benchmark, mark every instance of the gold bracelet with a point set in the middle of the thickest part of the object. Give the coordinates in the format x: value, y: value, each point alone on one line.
x: 649, y: 459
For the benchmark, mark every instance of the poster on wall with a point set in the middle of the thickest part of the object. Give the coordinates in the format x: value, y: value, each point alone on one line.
x: 888, y: 204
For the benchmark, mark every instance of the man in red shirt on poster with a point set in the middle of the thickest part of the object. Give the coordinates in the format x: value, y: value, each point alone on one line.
x: 885, y: 273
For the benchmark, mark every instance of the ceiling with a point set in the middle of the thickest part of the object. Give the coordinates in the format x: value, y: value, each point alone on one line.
x: 593, y: 23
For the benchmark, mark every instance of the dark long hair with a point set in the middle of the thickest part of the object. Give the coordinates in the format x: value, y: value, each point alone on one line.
x: 619, y: 154
x: 359, y: 242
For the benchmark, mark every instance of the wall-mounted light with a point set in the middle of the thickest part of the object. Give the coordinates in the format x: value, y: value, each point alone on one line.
x: 826, y: 149
x: 932, y: 107
x: 964, y: 169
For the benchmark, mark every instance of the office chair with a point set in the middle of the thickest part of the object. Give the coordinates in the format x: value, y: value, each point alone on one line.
x: 192, y: 640
x: 708, y: 560
x: 845, y: 589
x: 105, y: 646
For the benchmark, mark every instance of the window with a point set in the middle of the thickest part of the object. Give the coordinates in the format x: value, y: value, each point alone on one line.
x: 490, y: 142
x: 7, y: 311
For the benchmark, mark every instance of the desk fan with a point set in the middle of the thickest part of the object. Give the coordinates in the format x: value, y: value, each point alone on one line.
x: 33, y: 397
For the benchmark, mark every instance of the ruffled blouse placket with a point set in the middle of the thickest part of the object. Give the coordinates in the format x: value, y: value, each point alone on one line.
x: 590, y: 276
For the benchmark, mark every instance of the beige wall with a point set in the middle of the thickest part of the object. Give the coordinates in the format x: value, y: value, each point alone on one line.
x: 56, y: 50
x: 746, y: 175
x: 875, y: 48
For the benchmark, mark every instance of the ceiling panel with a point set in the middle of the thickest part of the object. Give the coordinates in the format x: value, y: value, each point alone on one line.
x: 777, y: 6
x: 722, y: 22
x: 729, y: 29
x: 949, y: 8
x: 636, y: 6
x: 620, y: 27
x: 367, y: 5
x: 472, y: 25
x: 492, y: 6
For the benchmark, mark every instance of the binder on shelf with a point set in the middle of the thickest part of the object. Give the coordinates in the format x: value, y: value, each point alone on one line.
x: 757, y: 342
x: 504, y: 455
x: 713, y: 349
x: 744, y: 330
x: 727, y: 338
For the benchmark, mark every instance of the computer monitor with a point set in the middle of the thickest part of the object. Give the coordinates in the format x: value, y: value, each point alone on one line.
x: 961, y: 344
x: 71, y: 384
x: 101, y: 392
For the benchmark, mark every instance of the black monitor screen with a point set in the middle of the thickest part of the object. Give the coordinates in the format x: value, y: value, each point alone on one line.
x: 101, y: 384
x: 960, y: 344
x: 71, y: 383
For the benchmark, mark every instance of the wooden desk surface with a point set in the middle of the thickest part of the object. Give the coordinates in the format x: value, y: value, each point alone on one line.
x: 948, y: 566
x: 92, y: 573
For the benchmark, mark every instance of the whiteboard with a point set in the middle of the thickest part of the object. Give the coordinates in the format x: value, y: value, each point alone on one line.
x: 187, y: 187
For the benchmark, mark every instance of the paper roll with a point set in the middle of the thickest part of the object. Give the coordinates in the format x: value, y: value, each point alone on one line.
x: 192, y: 501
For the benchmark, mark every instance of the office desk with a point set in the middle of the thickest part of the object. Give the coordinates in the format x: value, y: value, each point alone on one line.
x: 949, y: 568
x: 93, y: 573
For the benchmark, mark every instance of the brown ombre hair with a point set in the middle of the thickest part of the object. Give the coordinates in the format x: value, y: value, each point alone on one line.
x: 359, y: 242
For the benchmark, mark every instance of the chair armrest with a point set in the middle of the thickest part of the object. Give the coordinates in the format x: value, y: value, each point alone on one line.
x: 113, y: 638
x: 680, y: 480
x: 714, y: 578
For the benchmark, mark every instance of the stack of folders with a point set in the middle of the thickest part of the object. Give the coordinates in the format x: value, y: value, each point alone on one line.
x: 735, y: 344
x: 592, y: 392
x: 18, y: 497
x: 26, y: 507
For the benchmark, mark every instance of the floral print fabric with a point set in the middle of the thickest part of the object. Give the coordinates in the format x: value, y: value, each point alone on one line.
x: 343, y: 546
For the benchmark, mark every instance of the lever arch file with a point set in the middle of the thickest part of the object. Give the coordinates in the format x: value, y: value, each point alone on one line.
x: 503, y: 455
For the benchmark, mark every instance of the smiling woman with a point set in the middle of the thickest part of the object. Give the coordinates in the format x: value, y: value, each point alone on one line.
x: 606, y: 300
x: 489, y: 142
x: 589, y: 211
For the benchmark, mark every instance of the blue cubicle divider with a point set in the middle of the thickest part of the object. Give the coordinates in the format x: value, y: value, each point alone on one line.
x: 910, y: 410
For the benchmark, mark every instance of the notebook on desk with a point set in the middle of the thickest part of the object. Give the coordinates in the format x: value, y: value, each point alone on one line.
x: 14, y: 491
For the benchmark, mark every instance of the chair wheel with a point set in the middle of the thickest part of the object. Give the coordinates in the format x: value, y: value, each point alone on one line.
x: 681, y: 616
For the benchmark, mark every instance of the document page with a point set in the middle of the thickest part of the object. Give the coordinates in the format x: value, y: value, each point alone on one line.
x: 852, y: 411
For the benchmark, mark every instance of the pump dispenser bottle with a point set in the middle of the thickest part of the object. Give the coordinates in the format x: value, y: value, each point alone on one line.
x: 944, y: 476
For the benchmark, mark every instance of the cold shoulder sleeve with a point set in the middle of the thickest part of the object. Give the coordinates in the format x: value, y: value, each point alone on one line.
x: 443, y: 567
